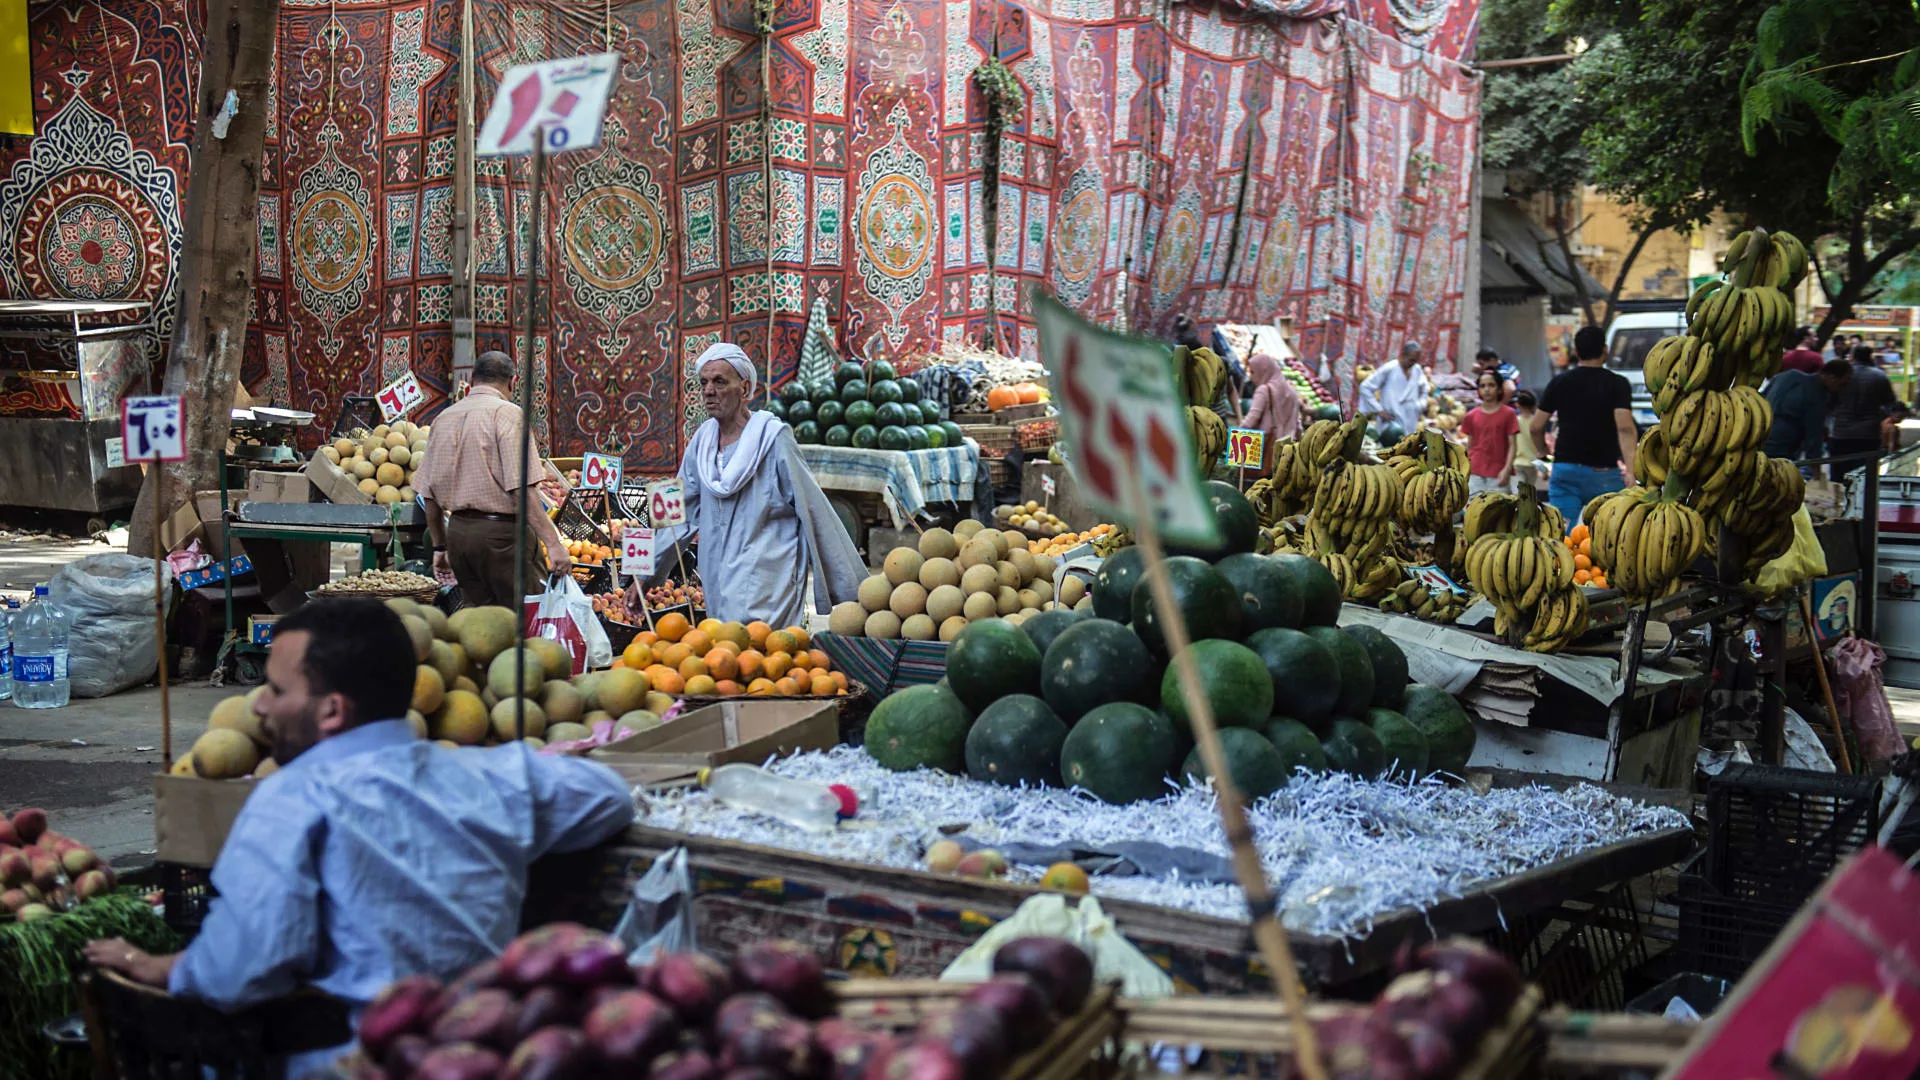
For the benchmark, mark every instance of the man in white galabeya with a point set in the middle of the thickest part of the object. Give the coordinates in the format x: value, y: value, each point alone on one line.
x: 1398, y: 392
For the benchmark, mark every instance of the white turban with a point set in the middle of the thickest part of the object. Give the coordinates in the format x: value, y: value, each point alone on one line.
x: 732, y: 354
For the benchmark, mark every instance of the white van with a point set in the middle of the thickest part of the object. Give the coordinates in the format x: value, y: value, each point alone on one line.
x: 1639, y: 326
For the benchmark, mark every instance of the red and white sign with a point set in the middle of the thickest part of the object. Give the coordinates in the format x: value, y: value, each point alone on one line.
x: 1125, y: 423
x: 400, y: 397
x: 153, y: 429
x: 666, y: 506
x: 1047, y: 486
x: 636, y: 552
x: 600, y: 471
x: 558, y: 102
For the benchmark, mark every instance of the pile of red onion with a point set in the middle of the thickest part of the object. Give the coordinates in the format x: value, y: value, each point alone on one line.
x: 562, y: 1003
x: 1427, y: 1026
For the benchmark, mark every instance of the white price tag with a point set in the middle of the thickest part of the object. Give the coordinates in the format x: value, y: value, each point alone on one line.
x: 153, y: 429
x: 1047, y: 485
x: 600, y: 471
x: 116, y: 453
x: 558, y: 101
x: 666, y: 507
x: 636, y: 552
x: 400, y: 397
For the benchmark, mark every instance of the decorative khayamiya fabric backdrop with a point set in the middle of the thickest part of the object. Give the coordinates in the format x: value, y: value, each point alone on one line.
x: 1219, y: 160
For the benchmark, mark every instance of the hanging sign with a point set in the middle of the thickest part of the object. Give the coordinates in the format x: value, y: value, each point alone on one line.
x: 400, y: 397
x: 1246, y: 448
x: 559, y: 102
x: 666, y: 506
x: 600, y: 471
x: 636, y: 552
x: 1125, y: 424
x: 116, y: 452
x: 1047, y: 485
x: 153, y: 429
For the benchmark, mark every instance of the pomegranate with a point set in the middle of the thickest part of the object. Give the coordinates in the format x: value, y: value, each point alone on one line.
x: 459, y: 1061
x: 1062, y: 970
x: 787, y: 970
x: 977, y: 1036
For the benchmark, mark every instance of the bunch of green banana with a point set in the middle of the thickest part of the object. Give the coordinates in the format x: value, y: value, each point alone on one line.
x: 1777, y: 259
x: 1412, y: 598
x: 1493, y: 513
x: 1677, y: 366
x: 1434, y: 472
x: 1209, y: 437
x: 1202, y: 374
x: 1644, y: 537
x: 1707, y: 424
x: 1119, y: 537
x: 1746, y: 315
x: 1353, y: 510
x: 1286, y: 491
x: 1558, y: 621
x: 1764, y: 524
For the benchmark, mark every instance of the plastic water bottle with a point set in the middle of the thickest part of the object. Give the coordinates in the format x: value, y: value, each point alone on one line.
x: 800, y: 803
x: 6, y: 651
x: 40, y: 654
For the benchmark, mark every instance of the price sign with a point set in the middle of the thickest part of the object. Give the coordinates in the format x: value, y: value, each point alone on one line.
x: 666, y: 506
x: 1246, y: 448
x: 636, y: 552
x: 116, y: 453
x: 153, y: 429
x: 1433, y: 578
x: 559, y: 102
x: 600, y: 471
x: 400, y: 397
x: 1047, y: 485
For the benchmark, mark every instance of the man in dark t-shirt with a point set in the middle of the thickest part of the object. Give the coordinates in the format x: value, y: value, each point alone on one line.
x: 1594, y: 451
x: 1805, y: 354
x: 1866, y: 402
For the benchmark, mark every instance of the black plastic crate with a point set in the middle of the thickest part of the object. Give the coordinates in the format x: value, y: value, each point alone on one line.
x: 575, y: 523
x: 1721, y: 935
x: 357, y: 411
x: 1775, y: 834
x: 186, y: 892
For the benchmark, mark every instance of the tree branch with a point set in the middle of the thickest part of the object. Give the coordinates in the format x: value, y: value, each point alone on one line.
x: 1626, y: 265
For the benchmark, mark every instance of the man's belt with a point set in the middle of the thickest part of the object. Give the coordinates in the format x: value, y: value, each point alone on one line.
x: 481, y: 515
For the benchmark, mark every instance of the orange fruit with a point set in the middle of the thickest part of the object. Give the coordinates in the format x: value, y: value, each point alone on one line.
x: 817, y: 658
x: 673, y: 654
x: 658, y: 672
x: 1064, y: 877
x: 757, y: 632
x: 647, y: 637
x: 669, y: 682
x: 1586, y: 546
x: 823, y: 686
x: 734, y: 632
x: 671, y: 626
x: 702, y: 684
x: 709, y: 624
x: 788, y: 688
x: 783, y: 641
x: 637, y: 655
x: 778, y: 664
x: 618, y: 662
x: 1581, y: 577
x: 760, y: 687
x: 1579, y: 533
x: 730, y: 646
x: 800, y: 635
x: 752, y: 663
x: 692, y: 666
x: 729, y: 688
x: 722, y: 664
x: 699, y: 641
x: 839, y: 679
x: 1582, y: 562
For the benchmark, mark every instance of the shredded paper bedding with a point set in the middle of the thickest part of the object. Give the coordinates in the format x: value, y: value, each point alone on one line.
x: 1340, y: 851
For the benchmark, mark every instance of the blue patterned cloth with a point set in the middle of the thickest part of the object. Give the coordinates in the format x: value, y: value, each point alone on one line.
x: 907, y: 480
x: 950, y: 384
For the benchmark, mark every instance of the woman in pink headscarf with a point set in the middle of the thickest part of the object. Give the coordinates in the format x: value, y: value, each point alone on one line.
x: 1276, y: 404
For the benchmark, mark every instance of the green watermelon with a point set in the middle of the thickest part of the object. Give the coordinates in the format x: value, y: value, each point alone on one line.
x: 1302, y: 672
x: 1120, y: 753
x: 1207, y: 603
x: 846, y: 373
x: 1319, y: 593
x: 792, y: 392
x: 806, y: 433
x: 1352, y: 747
x: 929, y: 410
x: 821, y: 391
x: 936, y: 435
x: 917, y: 438
x: 1389, y: 665
x: 837, y: 435
x: 889, y: 413
x: 1016, y: 740
x: 1113, y: 585
x: 894, y: 438
x: 921, y: 727
x: 1233, y: 679
x: 1046, y: 626
x: 1355, y: 669
x: 1257, y: 768
x: 991, y: 659
x: 910, y: 392
x: 955, y: 437
x: 1328, y: 411
x: 866, y: 437
x: 1299, y: 747
x: 829, y: 412
x: 1405, y: 747
x: 853, y: 390
x: 1239, y: 524
x: 800, y: 412
x: 860, y: 414
x: 1449, y: 731
x: 777, y: 407
x: 1091, y: 663
x: 1267, y: 597
x: 881, y: 370
x: 883, y: 390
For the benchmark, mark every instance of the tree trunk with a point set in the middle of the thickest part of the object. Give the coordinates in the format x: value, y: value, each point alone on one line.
x: 1861, y: 270
x: 218, y: 233
x: 1626, y: 265
x: 1564, y: 234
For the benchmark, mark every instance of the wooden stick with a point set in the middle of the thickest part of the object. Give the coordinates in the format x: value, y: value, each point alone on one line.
x: 1268, y: 934
x: 160, y: 625
x: 1826, y: 689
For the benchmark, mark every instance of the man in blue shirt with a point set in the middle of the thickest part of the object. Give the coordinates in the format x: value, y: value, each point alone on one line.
x: 1800, y: 402
x: 371, y: 854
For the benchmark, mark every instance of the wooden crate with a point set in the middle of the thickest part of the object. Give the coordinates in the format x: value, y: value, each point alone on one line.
x: 1583, y: 1044
x: 1071, y: 1051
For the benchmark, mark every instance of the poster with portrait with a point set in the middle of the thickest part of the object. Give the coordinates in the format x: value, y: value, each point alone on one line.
x: 1836, y: 599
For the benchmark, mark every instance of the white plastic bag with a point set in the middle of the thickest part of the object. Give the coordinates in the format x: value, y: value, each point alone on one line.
x: 659, y: 915
x: 564, y: 614
x: 109, y: 597
x: 1086, y: 925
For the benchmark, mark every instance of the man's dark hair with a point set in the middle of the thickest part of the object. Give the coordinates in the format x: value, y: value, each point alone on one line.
x: 1863, y: 354
x: 1802, y: 333
x: 494, y: 367
x: 1837, y: 369
x: 1590, y: 343
x: 1484, y: 355
x: 357, y: 648
x: 1525, y: 400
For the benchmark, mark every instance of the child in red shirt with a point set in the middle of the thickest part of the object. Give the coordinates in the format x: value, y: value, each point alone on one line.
x: 1490, y: 430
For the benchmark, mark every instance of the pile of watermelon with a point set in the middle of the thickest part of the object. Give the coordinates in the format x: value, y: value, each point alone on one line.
x: 864, y: 406
x: 1090, y: 699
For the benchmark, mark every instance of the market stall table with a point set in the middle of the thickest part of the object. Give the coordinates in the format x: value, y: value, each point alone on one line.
x: 907, y: 481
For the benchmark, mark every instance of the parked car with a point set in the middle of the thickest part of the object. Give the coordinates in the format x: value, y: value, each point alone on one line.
x: 1633, y: 332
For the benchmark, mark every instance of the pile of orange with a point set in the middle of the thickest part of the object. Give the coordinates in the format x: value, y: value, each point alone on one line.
x: 585, y: 551
x: 731, y: 659
x: 1584, y: 570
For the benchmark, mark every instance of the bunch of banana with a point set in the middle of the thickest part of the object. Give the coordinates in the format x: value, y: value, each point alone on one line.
x: 1434, y: 472
x: 1209, y: 436
x: 1764, y: 524
x: 1746, y: 315
x: 1288, y: 536
x: 1202, y: 374
x: 1114, y: 540
x: 1680, y: 365
x: 1353, y: 510
x: 1708, y: 424
x: 1720, y: 493
x: 1644, y: 537
x: 1650, y: 465
x: 1412, y: 598
x: 1324, y: 441
x: 1778, y: 259
x: 1493, y: 513
x: 1517, y: 569
x: 1372, y: 580
x: 1558, y: 621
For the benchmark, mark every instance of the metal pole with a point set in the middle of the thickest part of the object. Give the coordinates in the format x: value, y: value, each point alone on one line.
x: 521, y: 524
x: 1870, y: 566
x: 160, y: 616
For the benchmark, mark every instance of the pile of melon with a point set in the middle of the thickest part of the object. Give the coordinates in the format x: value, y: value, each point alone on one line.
x: 933, y: 590
x: 383, y: 460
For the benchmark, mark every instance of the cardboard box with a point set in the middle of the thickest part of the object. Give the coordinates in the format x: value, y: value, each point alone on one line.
x: 194, y: 579
x: 191, y: 817
x: 729, y: 731
x: 268, y: 485
x: 212, y: 526
x: 334, y: 485
x: 260, y: 628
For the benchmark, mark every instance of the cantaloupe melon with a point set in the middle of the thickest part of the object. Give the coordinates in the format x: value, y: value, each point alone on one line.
x: 909, y: 599
x: 183, y: 766
x: 945, y: 602
x: 847, y: 619
x: 396, y: 438
x: 1085, y: 603
x: 978, y: 553
x: 1009, y: 574
x: 486, y: 632
x: 362, y: 469
x: 330, y: 454
x: 588, y: 683
x: 980, y: 579
x: 1071, y: 590
x: 569, y: 732
x: 1002, y: 543
x: 937, y: 572
x: 436, y: 621
x: 918, y: 628
x: 951, y: 628
x: 1043, y: 589
x: 1022, y: 561
x: 1029, y: 600
x: 441, y: 657
x: 639, y: 720
x: 903, y: 564
x: 555, y: 662
x: 233, y: 714
x: 345, y: 447
x: 561, y: 701
x: 399, y: 455
x: 387, y: 495
x: 658, y: 703
x: 875, y: 592
x: 266, y: 768
x: 884, y: 625
x: 1044, y: 566
x: 938, y: 544
x: 223, y: 754
x: 966, y: 530
x: 378, y: 456
x: 369, y: 487
x: 980, y: 605
x: 1007, y: 600
x: 622, y: 690
x: 422, y: 636
x: 464, y: 682
x: 403, y: 606
x: 503, y: 718
x: 462, y: 719
x: 429, y: 689
x: 501, y: 676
